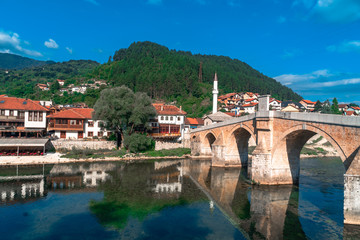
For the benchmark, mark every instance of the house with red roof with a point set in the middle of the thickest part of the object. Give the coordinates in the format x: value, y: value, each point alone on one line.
x: 250, y: 107
x: 76, y: 123
x: 21, y: 117
x: 275, y: 104
x: 169, y: 121
x: 43, y: 87
x: 308, y: 105
x: 61, y: 82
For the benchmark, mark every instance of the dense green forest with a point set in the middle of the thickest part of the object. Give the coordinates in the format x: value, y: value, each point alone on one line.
x: 184, y: 78
x: 173, y: 76
x: 12, y: 61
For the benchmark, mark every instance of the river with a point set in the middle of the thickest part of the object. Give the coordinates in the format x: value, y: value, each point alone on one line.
x: 182, y: 199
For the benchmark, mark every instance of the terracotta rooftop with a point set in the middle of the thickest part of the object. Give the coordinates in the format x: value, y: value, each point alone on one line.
x: 12, y: 103
x: 250, y: 104
x: 163, y: 109
x: 194, y: 121
x: 308, y: 101
x: 74, y: 113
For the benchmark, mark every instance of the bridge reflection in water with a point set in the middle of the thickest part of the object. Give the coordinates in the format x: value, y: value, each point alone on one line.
x: 270, y: 212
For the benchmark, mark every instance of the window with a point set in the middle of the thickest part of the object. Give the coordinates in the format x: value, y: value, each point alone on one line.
x: 108, y: 134
x: 11, y: 112
x: 90, y: 134
x: 35, y: 116
x: 91, y: 124
x: 21, y: 114
x: 162, y: 118
x: 179, y: 119
x: 30, y: 116
x: 171, y: 118
x: 99, y: 124
x: 72, y: 122
x: 100, y: 134
x: 2, y: 113
x: 166, y: 118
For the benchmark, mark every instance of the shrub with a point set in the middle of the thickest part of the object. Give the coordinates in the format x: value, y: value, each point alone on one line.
x: 137, y: 142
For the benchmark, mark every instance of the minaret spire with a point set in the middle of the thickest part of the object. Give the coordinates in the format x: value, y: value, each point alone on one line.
x: 215, y: 94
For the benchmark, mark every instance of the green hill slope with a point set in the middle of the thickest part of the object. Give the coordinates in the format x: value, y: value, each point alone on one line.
x: 174, y: 76
x: 12, y: 61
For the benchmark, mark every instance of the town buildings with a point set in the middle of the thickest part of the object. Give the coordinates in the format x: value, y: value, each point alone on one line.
x: 76, y: 123
x: 21, y: 117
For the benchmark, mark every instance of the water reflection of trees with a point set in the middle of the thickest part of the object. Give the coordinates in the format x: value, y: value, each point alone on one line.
x: 134, y: 192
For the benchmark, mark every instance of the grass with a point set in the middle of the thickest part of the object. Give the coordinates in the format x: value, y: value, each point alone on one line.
x: 316, y: 151
x: 102, y: 153
x: 317, y: 140
x: 168, y: 152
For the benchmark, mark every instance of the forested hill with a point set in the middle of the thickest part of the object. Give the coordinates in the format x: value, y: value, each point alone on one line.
x: 12, y: 61
x: 149, y: 67
x: 185, y: 78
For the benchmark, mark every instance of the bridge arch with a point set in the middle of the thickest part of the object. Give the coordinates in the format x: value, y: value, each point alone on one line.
x: 208, y: 141
x: 286, y: 151
x: 237, y: 144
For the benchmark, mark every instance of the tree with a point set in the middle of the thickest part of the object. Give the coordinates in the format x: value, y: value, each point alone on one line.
x: 318, y: 106
x: 55, y: 86
x: 335, y: 107
x: 326, y: 107
x: 123, y: 111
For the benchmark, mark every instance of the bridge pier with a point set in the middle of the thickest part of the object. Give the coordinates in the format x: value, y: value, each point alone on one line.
x: 352, y: 192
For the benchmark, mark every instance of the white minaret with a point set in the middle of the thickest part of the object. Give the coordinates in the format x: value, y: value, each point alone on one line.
x: 215, y: 94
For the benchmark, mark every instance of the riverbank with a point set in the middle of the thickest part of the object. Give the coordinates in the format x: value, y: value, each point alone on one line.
x: 56, y: 158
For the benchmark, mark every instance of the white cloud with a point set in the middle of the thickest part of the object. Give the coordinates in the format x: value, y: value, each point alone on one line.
x: 51, y: 44
x: 11, y: 43
x: 289, y: 79
x: 69, y: 50
x: 332, y: 10
x: 93, y: 2
x: 346, y: 46
x: 341, y: 82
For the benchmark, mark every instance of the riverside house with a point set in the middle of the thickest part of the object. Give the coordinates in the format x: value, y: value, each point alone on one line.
x: 76, y: 123
x: 169, y: 122
x: 21, y: 117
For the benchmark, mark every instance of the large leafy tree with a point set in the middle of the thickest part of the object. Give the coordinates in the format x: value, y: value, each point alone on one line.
x: 123, y: 110
x: 318, y: 106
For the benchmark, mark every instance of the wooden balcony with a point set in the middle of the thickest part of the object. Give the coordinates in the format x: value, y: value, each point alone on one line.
x: 63, y: 127
x: 165, y: 135
x: 11, y: 118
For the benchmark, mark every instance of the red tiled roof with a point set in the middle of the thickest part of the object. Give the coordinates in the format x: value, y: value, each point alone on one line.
x: 273, y: 99
x: 342, y: 105
x: 356, y: 108
x: 12, y: 103
x: 349, y: 113
x: 194, y: 121
x: 59, y: 80
x: 162, y: 109
x: 250, y: 99
x: 250, y: 105
x: 308, y: 101
x: 74, y: 113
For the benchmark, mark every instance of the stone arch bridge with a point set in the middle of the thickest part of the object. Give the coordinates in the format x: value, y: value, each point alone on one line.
x: 280, y: 136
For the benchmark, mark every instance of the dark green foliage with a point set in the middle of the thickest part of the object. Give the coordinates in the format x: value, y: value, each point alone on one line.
x: 335, y: 107
x: 12, y: 61
x: 326, y: 107
x: 22, y: 83
x: 174, y: 76
x: 353, y: 105
x: 318, y: 106
x: 137, y: 143
x: 124, y: 111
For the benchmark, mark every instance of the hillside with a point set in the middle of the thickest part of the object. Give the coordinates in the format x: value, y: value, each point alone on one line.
x: 22, y: 83
x: 174, y: 76
x: 12, y: 61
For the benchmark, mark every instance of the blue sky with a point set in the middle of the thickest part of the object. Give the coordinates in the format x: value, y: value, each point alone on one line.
x: 312, y: 46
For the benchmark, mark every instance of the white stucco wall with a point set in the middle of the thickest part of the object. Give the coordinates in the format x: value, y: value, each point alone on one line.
x: 95, y: 129
x: 69, y: 134
x: 35, y: 124
x: 174, y: 121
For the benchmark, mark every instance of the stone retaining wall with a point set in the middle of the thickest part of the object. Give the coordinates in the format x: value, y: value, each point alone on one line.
x: 81, y: 144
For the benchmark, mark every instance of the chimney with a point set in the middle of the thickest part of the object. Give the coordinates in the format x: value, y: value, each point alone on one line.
x: 162, y: 107
x: 180, y: 108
